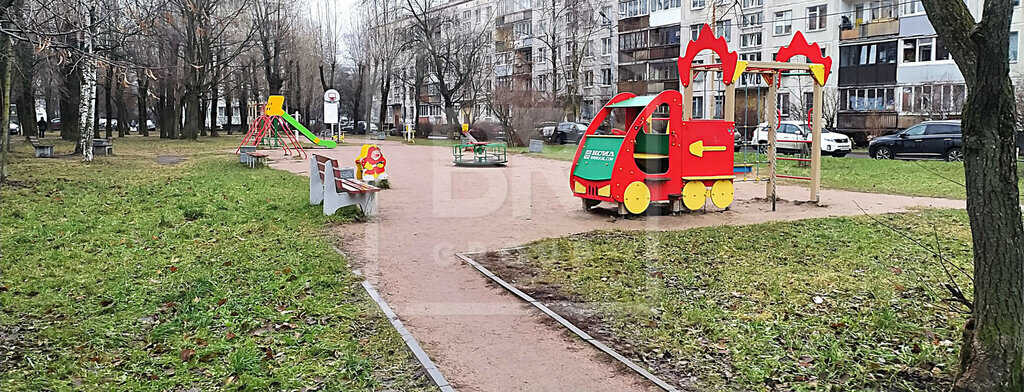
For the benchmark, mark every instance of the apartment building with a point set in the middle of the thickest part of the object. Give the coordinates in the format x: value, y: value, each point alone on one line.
x: 894, y: 70
x: 889, y: 70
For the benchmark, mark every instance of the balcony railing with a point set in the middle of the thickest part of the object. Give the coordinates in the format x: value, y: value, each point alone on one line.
x: 523, y: 43
x: 503, y: 70
x: 876, y: 28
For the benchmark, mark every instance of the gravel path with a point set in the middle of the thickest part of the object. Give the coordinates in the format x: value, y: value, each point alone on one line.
x: 481, y: 338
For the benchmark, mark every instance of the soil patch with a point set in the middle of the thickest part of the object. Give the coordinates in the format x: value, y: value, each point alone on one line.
x: 170, y: 159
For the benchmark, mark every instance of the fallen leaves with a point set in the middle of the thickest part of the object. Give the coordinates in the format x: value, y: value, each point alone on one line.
x: 187, y: 354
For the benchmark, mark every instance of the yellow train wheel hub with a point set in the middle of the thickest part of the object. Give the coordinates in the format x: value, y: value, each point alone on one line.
x: 694, y: 194
x: 722, y: 193
x: 636, y: 197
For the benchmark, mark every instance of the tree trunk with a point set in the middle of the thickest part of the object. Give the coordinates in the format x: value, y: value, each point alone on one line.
x: 108, y: 86
x: 992, y: 356
x: 87, y: 104
x: 143, y: 97
x: 26, y: 99
x: 122, y: 110
x: 70, y: 124
x: 228, y: 109
x: 5, y: 98
x: 204, y: 123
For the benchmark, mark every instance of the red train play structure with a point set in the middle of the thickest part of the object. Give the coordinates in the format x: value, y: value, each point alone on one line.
x: 659, y: 156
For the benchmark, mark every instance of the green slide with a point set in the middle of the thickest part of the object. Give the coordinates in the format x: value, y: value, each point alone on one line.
x: 305, y: 132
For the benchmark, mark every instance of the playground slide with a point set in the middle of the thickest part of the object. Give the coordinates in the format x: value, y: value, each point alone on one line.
x: 305, y: 132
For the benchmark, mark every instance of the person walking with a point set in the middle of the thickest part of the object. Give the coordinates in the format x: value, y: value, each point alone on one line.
x: 42, y: 127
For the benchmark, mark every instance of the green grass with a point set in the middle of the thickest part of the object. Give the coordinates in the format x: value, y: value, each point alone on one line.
x: 737, y: 306
x: 912, y: 178
x: 124, y: 274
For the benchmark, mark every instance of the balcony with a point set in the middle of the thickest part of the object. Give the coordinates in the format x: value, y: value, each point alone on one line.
x: 664, y: 52
x: 637, y: 87
x: 513, y: 17
x: 523, y: 43
x: 876, y: 28
x: 502, y: 70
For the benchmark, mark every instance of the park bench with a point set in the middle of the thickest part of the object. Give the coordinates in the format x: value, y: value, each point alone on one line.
x: 102, y: 147
x: 256, y: 159
x: 327, y: 185
x: 42, y: 150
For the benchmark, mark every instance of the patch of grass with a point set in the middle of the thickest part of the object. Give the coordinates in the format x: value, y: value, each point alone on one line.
x: 125, y: 274
x: 808, y: 305
x: 912, y: 178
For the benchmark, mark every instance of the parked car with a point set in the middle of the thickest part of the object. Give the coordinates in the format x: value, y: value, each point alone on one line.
x: 929, y: 139
x: 361, y: 128
x: 55, y: 124
x: 568, y: 132
x: 789, y: 132
x: 15, y: 129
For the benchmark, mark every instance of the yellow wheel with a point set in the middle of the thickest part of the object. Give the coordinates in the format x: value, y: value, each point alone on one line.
x: 694, y: 194
x: 636, y: 197
x: 722, y: 193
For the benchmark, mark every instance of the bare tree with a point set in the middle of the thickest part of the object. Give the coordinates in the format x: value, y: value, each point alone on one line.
x: 453, y: 50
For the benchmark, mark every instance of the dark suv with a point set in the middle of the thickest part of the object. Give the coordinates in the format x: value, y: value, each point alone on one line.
x: 929, y: 139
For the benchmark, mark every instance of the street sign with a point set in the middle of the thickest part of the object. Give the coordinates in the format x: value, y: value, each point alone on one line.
x: 331, y: 99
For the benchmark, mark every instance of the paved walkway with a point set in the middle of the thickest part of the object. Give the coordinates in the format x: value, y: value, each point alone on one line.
x: 481, y: 338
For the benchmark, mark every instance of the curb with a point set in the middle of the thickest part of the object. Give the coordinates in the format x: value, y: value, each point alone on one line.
x: 428, y: 365
x: 561, y: 320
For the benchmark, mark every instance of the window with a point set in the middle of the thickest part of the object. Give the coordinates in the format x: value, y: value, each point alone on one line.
x: 724, y: 29
x: 750, y: 78
x: 942, y: 129
x: 808, y: 101
x: 869, y: 99
x: 695, y: 31
x: 783, y: 22
x: 923, y: 49
x: 1014, y: 45
x: 932, y: 99
x: 665, y: 36
x: 782, y: 101
x: 941, y: 53
x: 606, y: 11
x: 816, y: 17
x: 588, y: 78
x: 909, y: 50
x: 867, y: 54
x: 719, y: 106
x: 606, y: 76
x: 752, y: 3
x: 696, y: 4
x: 606, y: 45
x: 520, y: 29
x: 658, y: 5
x: 913, y: 7
x: 633, y: 8
x: 750, y: 39
x: 916, y: 130
x: 632, y: 41
x: 477, y: 15
x: 754, y: 19
x: 698, y: 107
x: 542, y: 82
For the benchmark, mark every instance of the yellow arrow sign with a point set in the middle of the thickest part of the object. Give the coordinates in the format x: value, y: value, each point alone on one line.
x: 697, y: 148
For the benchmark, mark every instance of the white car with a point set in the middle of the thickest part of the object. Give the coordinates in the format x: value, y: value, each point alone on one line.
x: 835, y: 144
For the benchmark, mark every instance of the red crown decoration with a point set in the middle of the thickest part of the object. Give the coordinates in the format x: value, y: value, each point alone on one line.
x: 707, y: 40
x: 799, y: 46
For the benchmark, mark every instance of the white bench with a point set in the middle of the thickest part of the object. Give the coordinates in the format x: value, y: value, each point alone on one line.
x: 326, y: 186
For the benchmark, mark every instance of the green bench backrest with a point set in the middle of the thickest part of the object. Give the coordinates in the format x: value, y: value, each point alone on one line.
x: 656, y: 143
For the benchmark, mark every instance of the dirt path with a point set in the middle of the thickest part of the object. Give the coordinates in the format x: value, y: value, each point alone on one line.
x: 481, y: 338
